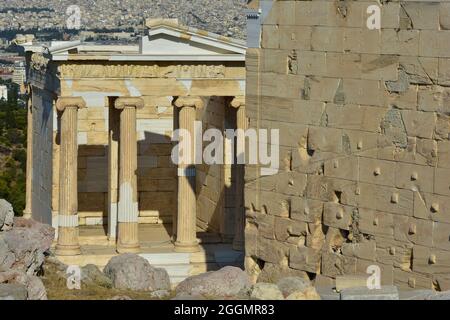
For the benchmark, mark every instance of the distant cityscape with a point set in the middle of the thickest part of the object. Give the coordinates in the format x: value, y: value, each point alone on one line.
x: 103, y: 20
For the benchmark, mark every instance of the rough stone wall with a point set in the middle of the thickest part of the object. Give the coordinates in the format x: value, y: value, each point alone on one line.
x: 364, y: 142
x: 209, y: 180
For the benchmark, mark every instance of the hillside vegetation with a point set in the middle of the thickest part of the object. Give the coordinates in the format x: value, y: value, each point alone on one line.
x: 13, y: 124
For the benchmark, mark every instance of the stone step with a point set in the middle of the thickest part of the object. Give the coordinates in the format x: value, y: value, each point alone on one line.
x: 170, y: 258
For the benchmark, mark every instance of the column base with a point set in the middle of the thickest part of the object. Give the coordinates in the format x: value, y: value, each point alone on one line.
x: 128, y: 237
x: 189, y: 247
x: 128, y: 249
x: 62, y: 250
x: 26, y: 214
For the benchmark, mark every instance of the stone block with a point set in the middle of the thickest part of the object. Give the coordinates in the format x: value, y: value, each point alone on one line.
x: 414, y: 177
x: 377, y: 171
x: 340, y: 65
x: 442, y: 181
x: 344, y: 168
x: 443, y: 154
x: 417, y: 231
x: 364, y: 92
x: 308, y: 13
x: 320, y: 88
x: 423, y: 15
x: 403, y: 42
x: 313, y: 63
x: 295, y: 37
x: 285, y: 228
x: 385, y: 199
x: 376, y: 223
x: 335, y: 264
x: 275, y: 204
x: 306, y: 210
x: 419, y: 124
x: 315, y: 238
x: 304, y: 258
x: 393, y: 252
x: 274, y: 60
x: 362, y: 250
x: 271, y: 250
x: 270, y: 37
x: 390, y: 13
x: 308, y: 112
x: 371, y: 41
x: 364, y: 293
x: 434, y: 43
x: 433, y: 98
x: 379, y: 67
x: 350, y: 281
x: 327, y: 39
x: 444, y: 72
x: 431, y: 206
x: 354, y: 117
x: 441, y: 235
x: 431, y: 261
x: 325, y: 139
x: 442, y: 281
x: 411, y: 280
x: 337, y: 215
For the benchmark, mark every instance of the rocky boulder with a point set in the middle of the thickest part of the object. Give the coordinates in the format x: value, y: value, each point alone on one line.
x: 266, y: 291
x: 6, y: 215
x: 91, y: 275
x: 226, y: 282
x: 132, y: 272
x: 22, y: 248
x: 272, y: 273
x: 12, y: 291
x: 309, y: 293
x: 34, y: 287
x: 290, y: 285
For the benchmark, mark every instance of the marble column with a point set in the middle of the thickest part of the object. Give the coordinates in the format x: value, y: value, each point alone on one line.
x: 29, y: 171
x: 128, y: 211
x: 68, y: 244
x: 186, y: 237
x: 241, y: 123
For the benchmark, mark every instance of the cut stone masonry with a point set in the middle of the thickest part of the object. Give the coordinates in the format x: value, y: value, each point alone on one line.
x: 364, y: 120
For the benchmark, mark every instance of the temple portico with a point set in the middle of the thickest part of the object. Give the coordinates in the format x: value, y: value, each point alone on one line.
x: 103, y: 118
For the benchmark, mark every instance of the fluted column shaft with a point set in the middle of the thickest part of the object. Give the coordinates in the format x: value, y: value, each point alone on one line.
x: 241, y: 123
x: 128, y: 211
x: 68, y: 243
x: 29, y: 171
x: 186, y: 237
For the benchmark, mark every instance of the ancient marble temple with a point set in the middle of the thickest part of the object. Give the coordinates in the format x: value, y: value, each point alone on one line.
x: 101, y: 122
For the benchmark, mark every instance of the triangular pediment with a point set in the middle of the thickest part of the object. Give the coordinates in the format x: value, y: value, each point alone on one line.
x: 167, y: 37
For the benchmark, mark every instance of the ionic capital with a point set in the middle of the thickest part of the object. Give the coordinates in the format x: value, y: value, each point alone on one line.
x: 194, y: 102
x: 66, y: 102
x: 238, y: 102
x: 130, y: 102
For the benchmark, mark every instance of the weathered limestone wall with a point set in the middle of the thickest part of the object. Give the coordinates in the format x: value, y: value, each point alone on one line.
x: 364, y: 142
x: 42, y: 155
x: 209, y: 182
